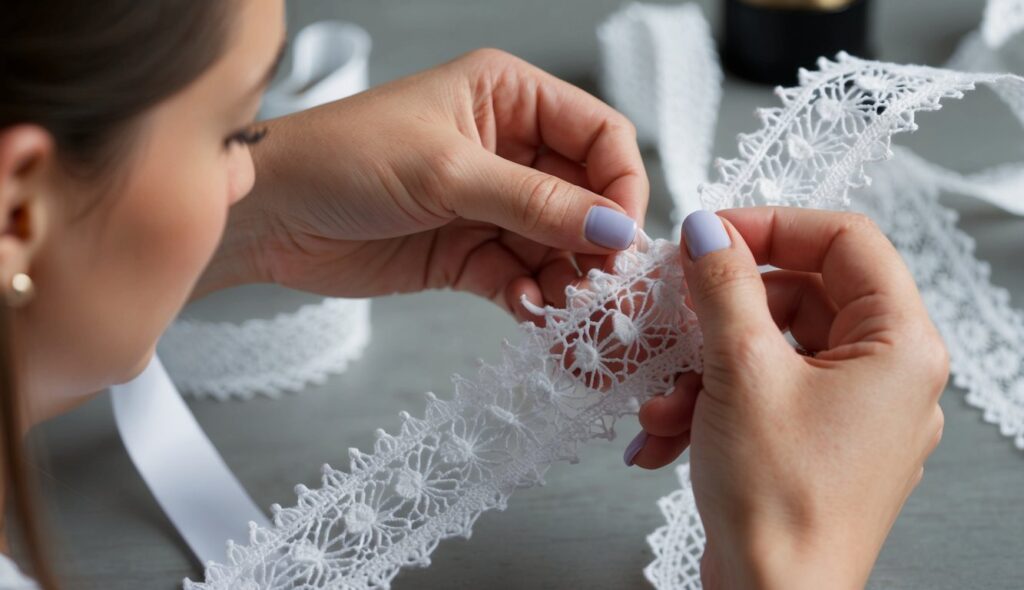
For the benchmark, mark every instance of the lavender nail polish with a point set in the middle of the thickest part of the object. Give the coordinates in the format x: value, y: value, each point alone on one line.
x: 634, y: 447
x: 609, y: 228
x: 704, y: 234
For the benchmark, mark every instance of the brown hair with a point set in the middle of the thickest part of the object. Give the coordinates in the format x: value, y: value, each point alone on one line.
x: 86, y: 72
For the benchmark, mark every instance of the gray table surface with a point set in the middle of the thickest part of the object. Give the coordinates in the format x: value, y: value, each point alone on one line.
x: 961, y: 529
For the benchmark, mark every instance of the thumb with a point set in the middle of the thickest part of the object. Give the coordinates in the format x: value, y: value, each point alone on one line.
x: 725, y: 287
x: 542, y: 207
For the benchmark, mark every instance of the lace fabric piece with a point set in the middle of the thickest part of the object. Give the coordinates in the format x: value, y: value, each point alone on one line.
x: 813, y: 149
x: 222, y: 360
x: 678, y: 545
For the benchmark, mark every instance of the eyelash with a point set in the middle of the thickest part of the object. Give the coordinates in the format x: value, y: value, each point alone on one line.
x: 247, y: 137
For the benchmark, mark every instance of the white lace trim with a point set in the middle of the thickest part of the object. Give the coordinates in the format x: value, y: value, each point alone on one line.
x: 678, y: 545
x: 223, y: 360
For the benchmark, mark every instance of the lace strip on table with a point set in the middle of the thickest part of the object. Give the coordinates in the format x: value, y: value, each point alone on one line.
x: 222, y: 360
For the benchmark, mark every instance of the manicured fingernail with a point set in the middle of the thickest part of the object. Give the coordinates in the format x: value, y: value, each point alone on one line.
x: 609, y: 228
x: 634, y: 447
x: 704, y: 233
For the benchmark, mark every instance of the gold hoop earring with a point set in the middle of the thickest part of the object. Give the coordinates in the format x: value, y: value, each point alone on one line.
x: 21, y: 291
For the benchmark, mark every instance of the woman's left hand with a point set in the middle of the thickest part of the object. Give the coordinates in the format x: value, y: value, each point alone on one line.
x: 477, y: 175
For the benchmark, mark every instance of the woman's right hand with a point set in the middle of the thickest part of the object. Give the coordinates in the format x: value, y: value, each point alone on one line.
x: 800, y: 464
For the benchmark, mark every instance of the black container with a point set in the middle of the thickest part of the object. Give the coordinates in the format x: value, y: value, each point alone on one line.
x: 768, y: 44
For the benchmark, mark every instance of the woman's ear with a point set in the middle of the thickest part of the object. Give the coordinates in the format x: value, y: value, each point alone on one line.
x: 26, y: 163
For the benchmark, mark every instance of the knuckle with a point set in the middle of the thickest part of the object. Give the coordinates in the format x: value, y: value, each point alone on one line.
x: 859, y: 223
x: 540, y: 194
x: 750, y: 350
x: 721, y: 278
x: 445, y: 171
x: 489, y: 55
x: 620, y: 122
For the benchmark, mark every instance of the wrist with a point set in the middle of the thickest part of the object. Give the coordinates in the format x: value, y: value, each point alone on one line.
x: 239, y: 258
x: 771, y: 558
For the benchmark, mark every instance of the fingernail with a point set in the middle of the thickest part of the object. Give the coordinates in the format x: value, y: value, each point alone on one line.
x: 634, y: 447
x: 704, y: 233
x: 608, y: 228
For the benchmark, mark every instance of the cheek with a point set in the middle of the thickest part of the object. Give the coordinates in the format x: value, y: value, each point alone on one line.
x: 113, y: 280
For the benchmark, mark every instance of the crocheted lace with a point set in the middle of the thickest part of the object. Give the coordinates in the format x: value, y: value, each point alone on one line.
x: 222, y: 360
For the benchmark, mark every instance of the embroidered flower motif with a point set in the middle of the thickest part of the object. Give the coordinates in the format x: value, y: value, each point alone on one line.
x: 410, y: 484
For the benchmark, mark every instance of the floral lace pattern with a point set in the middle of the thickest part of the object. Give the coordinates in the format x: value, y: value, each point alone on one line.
x: 679, y: 543
x: 222, y: 360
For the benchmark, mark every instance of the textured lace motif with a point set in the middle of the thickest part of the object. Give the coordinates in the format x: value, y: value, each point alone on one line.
x: 223, y: 360
x: 679, y: 543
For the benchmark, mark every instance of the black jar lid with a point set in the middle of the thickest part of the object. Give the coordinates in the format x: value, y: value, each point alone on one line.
x: 768, y: 42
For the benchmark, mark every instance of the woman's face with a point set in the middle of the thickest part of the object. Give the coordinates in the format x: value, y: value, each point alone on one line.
x: 110, y: 280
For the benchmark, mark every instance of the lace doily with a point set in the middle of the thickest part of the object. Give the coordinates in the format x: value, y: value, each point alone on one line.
x: 224, y: 360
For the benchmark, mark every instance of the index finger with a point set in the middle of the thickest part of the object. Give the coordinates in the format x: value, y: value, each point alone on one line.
x: 854, y: 257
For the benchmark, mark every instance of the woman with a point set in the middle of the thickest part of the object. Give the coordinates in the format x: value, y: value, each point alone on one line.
x: 131, y: 181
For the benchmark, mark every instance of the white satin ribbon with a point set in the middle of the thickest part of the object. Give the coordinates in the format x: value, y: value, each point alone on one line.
x: 186, y: 474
